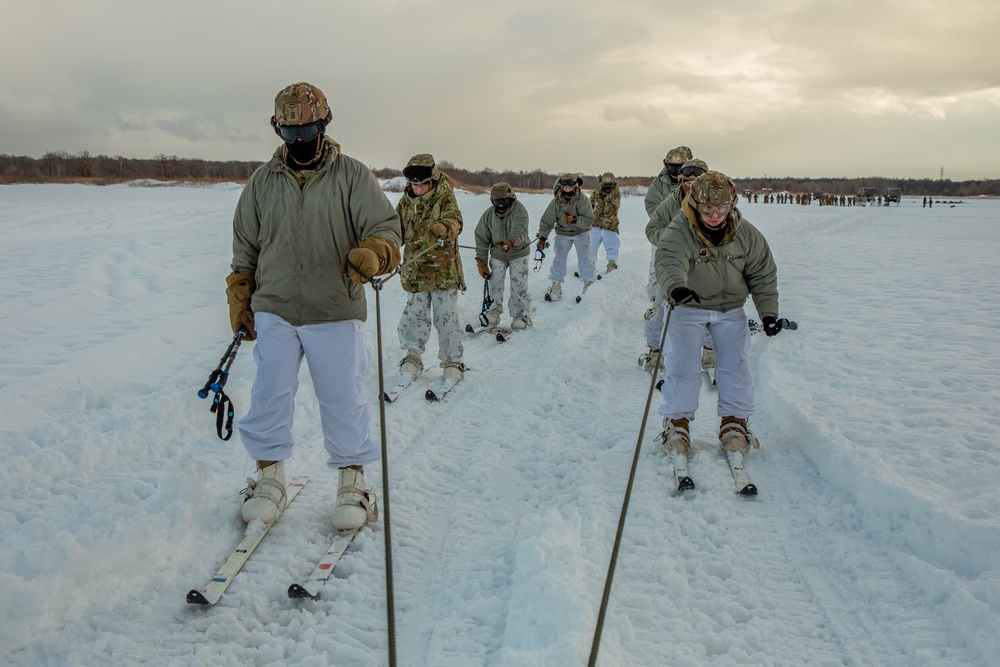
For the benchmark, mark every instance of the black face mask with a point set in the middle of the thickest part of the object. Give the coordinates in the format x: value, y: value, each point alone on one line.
x: 501, y: 206
x: 303, y: 154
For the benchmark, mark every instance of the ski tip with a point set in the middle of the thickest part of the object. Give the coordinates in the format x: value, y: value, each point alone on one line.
x: 430, y: 395
x: 501, y: 338
x: 199, y: 597
x: 748, y: 490
x: 298, y: 591
x: 468, y: 327
x: 685, y: 484
x: 548, y: 297
x: 579, y: 299
x: 599, y: 276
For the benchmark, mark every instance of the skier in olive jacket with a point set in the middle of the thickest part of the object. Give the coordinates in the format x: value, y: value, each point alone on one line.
x: 311, y: 227
x: 708, y: 261
x: 572, y: 216
x: 502, y: 246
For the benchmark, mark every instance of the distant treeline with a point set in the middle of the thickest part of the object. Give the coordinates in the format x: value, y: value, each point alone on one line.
x: 62, y: 167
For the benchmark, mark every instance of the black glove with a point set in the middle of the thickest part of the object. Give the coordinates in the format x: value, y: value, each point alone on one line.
x: 771, y: 325
x: 684, y: 294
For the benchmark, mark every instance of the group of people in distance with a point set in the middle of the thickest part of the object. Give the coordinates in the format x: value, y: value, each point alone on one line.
x: 313, y: 226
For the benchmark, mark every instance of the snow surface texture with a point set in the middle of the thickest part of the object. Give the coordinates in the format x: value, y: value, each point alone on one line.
x: 874, y: 540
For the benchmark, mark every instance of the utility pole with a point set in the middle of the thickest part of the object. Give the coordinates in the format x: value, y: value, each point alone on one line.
x: 942, y: 173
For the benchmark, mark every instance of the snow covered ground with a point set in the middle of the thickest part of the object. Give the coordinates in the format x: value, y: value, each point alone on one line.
x: 874, y: 540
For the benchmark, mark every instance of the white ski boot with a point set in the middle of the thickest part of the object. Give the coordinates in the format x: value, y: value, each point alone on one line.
x: 453, y: 370
x: 522, y: 322
x: 554, y: 293
x: 647, y: 361
x: 612, y: 265
x: 676, y: 436
x: 707, y: 358
x: 411, y: 364
x: 490, y: 318
x: 734, y: 436
x: 265, y: 496
x: 586, y: 286
x: 355, y: 504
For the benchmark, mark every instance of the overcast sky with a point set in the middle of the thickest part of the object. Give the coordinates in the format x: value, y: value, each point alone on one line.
x: 899, y: 88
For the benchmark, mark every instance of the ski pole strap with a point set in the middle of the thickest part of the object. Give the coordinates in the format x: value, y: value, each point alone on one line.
x: 222, y: 404
x: 487, y: 297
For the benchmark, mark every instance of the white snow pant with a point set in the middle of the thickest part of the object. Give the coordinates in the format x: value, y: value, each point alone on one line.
x: 612, y: 242
x: 520, y: 300
x: 338, y: 359
x: 651, y: 285
x: 654, y: 325
x: 682, y: 382
x: 415, y: 325
x: 562, y: 244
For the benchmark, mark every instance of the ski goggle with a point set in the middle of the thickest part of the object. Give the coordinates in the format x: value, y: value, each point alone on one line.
x: 710, y: 210
x: 503, y: 203
x: 292, y: 133
x: 692, y: 172
x: 673, y: 169
x: 567, y: 183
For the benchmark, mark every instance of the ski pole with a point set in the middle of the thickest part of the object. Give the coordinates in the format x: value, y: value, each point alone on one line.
x: 214, y: 383
x: 602, y: 612
x: 222, y: 406
x: 539, y: 254
x: 487, y: 302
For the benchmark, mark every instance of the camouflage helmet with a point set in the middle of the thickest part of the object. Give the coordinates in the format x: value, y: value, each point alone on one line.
x: 607, y: 178
x: 501, y: 190
x: 713, y: 188
x: 694, y: 162
x: 420, y: 169
x: 300, y: 104
x: 678, y: 155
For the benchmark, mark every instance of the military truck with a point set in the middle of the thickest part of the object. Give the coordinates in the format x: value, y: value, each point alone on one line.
x: 893, y: 195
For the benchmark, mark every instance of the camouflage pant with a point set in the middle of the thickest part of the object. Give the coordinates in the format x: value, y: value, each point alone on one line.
x: 520, y: 300
x: 415, y: 324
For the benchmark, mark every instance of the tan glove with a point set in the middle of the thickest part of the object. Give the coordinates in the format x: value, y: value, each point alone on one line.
x: 239, y: 289
x: 484, y: 269
x: 438, y: 229
x: 507, y: 244
x: 375, y: 256
x: 569, y: 217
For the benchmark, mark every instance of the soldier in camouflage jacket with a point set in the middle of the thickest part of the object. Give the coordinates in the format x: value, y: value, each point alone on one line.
x: 606, y: 200
x: 428, y: 212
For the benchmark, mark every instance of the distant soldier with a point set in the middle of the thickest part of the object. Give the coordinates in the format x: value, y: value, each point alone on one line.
x: 570, y: 215
x: 606, y: 200
x: 925, y: 203
x: 428, y: 212
x: 667, y: 181
x: 502, y: 245
x: 668, y: 209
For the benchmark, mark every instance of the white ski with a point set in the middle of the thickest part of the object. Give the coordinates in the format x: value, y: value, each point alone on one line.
x: 445, y: 387
x: 684, y: 481
x: 255, y: 532
x: 405, y: 380
x: 310, y: 587
x: 744, y: 486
